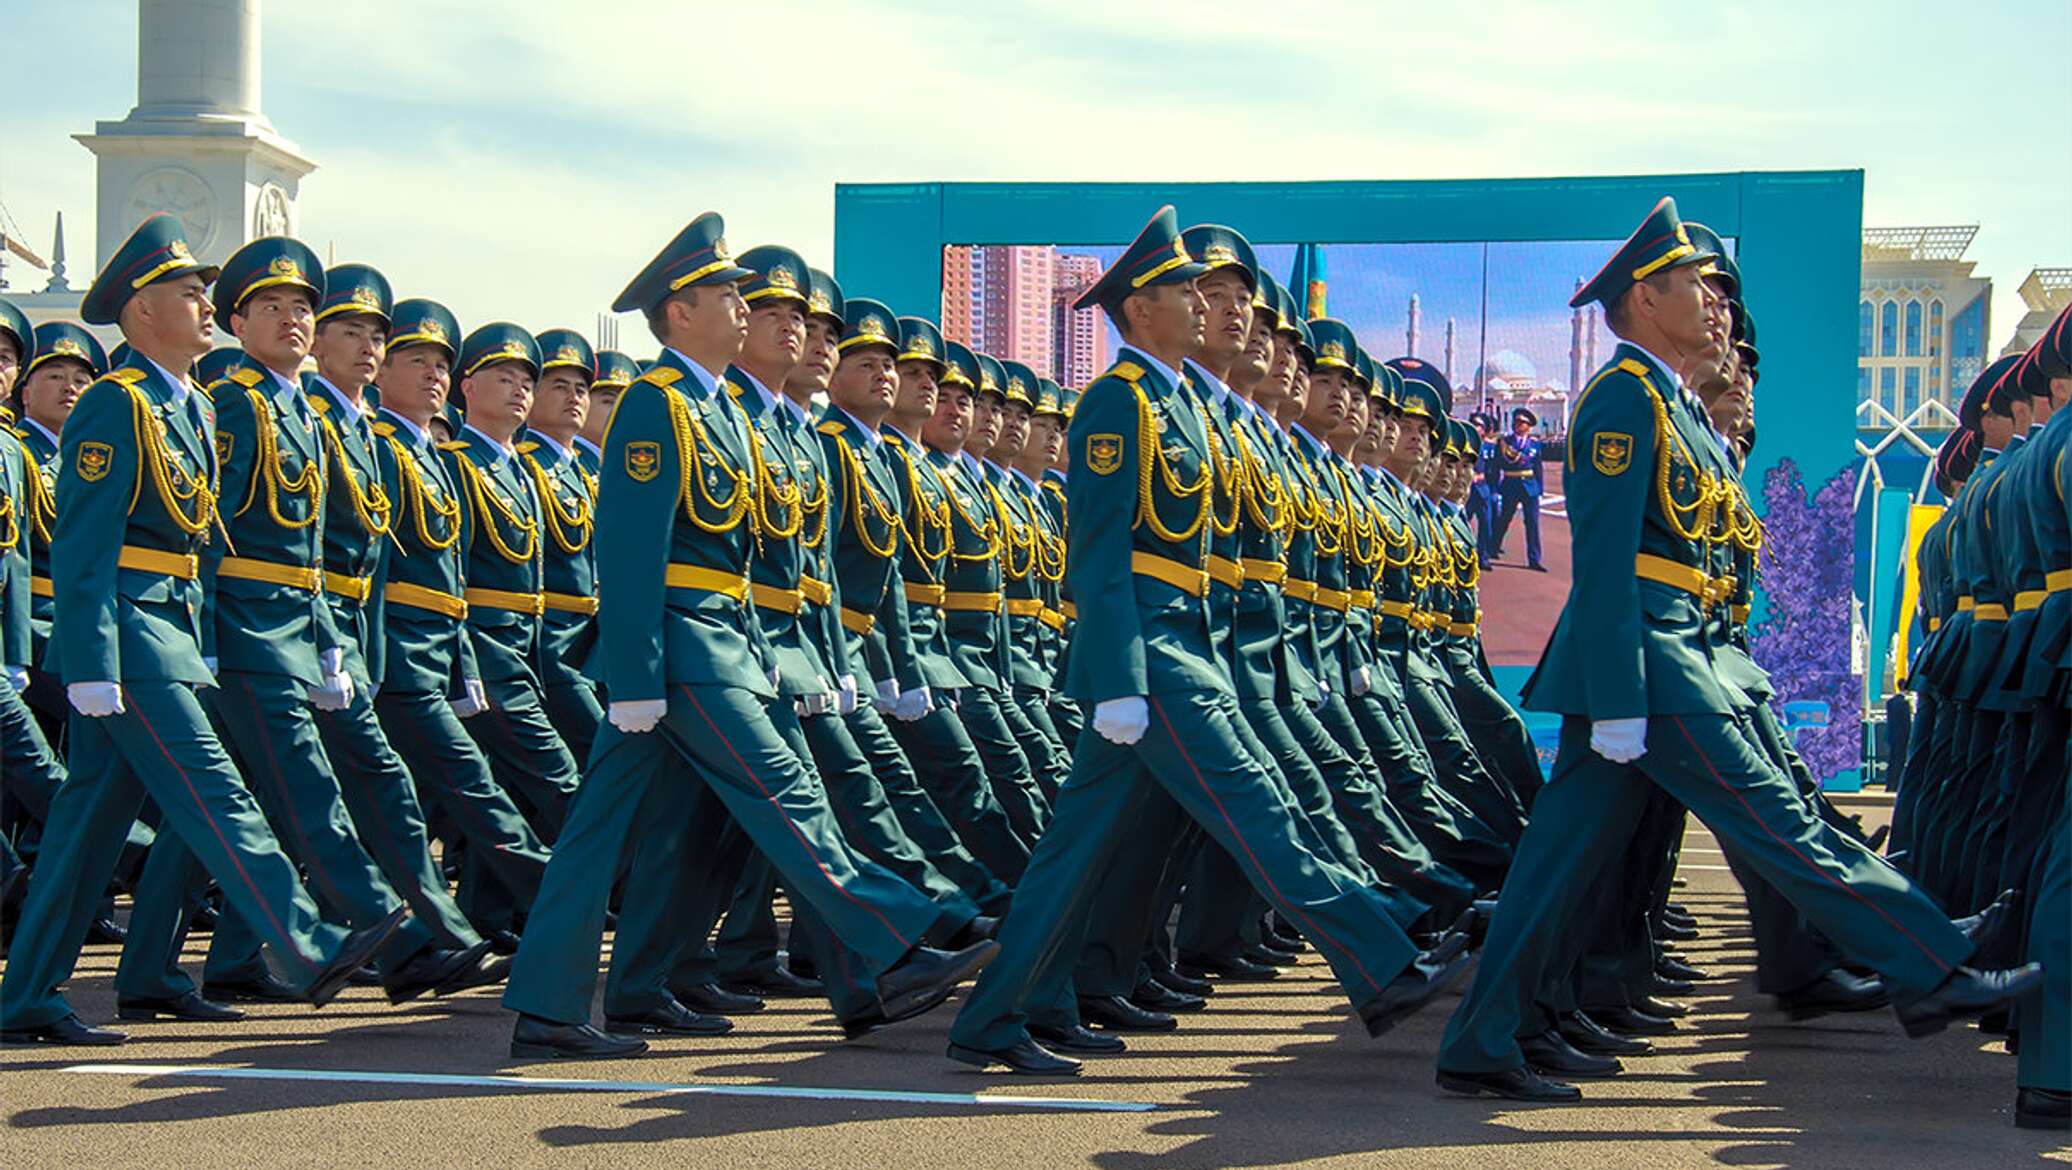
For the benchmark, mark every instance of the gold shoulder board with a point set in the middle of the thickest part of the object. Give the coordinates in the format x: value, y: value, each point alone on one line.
x: 246, y: 376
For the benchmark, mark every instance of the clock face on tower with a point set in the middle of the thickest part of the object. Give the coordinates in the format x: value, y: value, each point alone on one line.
x: 180, y: 192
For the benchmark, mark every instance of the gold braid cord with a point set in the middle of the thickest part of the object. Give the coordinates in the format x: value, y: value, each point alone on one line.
x: 422, y: 503
x: 1015, y: 538
x: 10, y: 520
x: 266, y: 471
x: 188, y: 499
x: 43, y: 504
x: 1266, y: 497
x: 1150, y: 453
x: 372, y: 505
x: 580, y: 520
x: 691, y: 439
x: 882, y: 541
x: 488, y: 509
x: 988, y: 533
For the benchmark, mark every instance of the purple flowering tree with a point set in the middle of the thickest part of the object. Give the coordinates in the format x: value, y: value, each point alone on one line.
x: 1803, y: 639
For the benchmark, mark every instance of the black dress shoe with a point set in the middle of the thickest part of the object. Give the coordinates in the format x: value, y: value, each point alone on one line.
x: 979, y: 929
x: 1662, y: 1008
x: 1996, y: 927
x: 536, y: 1039
x: 926, y: 977
x: 1231, y: 968
x: 1836, y: 991
x: 778, y: 982
x: 1627, y: 1021
x: 487, y: 971
x: 670, y: 1019
x: 1587, y: 1035
x: 70, y: 1030
x: 1027, y: 1058
x: 203, y: 918
x: 713, y: 1000
x: 1516, y: 1084
x: 1281, y: 935
x: 1154, y: 996
x: 1657, y: 985
x: 1426, y: 977
x: 1966, y: 993
x: 259, y: 988
x: 353, y: 953
x: 1185, y: 984
x: 1550, y: 1055
x: 1078, y: 1038
x: 1537, y: 568
x: 2043, y: 1109
x: 188, y: 1005
x: 106, y: 931
x: 367, y: 976
x: 1675, y: 931
x: 503, y: 942
x: 428, y: 970
x: 1671, y: 967
x: 1118, y: 1014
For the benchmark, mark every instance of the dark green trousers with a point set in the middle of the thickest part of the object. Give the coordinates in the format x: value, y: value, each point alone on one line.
x: 1386, y: 839
x: 1455, y: 837
x: 1193, y: 755
x: 919, y: 815
x: 162, y: 745
x: 948, y: 764
x: 2045, y: 1019
x: 983, y: 712
x: 1459, y: 769
x: 576, y: 714
x: 1869, y: 909
x: 719, y: 743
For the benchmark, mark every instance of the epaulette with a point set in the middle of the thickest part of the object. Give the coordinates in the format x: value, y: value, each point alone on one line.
x: 662, y: 376
x: 321, y: 403
x: 384, y: 429
x: 1127, y: 371
x: 126, y: 376
x: 528, y: 446
x: 245, y: 376
x: 833, y: 426
x: 454, y: 445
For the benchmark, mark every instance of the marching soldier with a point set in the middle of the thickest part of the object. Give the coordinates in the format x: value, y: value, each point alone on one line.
x: 567, y: 491
x: 127, y: 644
x: 430, y: 682
x: 1518, y: 465
x: 690, y: 675
x: 1137, y: 562
x: 1641, y: 470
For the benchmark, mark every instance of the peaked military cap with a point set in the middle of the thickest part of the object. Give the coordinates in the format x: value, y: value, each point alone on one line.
x: 211, y: 367
x: 1721, y: 265
x: 824, y: 297
x: 1018, y: 383
x: 1363, y: 368
x: 1482, y: 420
x: 1157, y: 256
x: 1216, y: 246
x: 1661, y: 242
x: 15, y: 324
x: 156, y: 251
x: 495, y: 343
x: 960, y: 366
x: 1305, y: 341
x: 1417, y: 371
x: 1267, y: 299
x: 56, y: 340
x: 1459, y: 438
x: 1420, y: 398
x: 1388, y: 388
x: 615, y: 370
x: 868, y: 322
x: 267, y: 262
x: 1956, y: 459
x: 775, y: 273
x: 1287, y: 314
x: 992, y: 376
x: 419, y: 321
x: 697, y: 256
x: 1068, y: 401
x: 1333, y: 343
x: 566, y: 347
x: 2052, y: 352
x: 1521, y: 412
x: 1050, y: 398
x: 920, y: 341
x: 1983, y: 395
x: 355, y: 288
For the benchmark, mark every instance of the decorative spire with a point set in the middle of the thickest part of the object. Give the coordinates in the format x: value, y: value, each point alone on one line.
x: 58, y: 283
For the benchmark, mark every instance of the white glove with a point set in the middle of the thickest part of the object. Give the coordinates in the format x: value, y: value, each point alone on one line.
x: 474, y: 699
x: 635, y: 716
x: 1621, y: 741
x: 1363, y: 680
x: 335, y: 695
x: 845, y: 694
x: 913, y: 705
x: 888, y: 696
x: 1123, y: 721
x: 95, y: 700
x: 332, y: 661
x: 18, y: 678
x: 809, y: 706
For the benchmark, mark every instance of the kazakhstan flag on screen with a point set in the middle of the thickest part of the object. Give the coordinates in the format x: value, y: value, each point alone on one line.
x: 1307, y: 281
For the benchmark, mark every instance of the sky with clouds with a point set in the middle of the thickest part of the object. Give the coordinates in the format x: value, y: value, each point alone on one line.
x: 523, y: 161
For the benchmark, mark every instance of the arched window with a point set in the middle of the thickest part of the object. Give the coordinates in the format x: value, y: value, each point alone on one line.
x: 1935, y: 327
x: 1888, y: 328
x: 1866, y: 329
x: 1913, y: 329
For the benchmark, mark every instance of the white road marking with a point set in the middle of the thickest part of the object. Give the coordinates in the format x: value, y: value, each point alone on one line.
x: 573, y: 1085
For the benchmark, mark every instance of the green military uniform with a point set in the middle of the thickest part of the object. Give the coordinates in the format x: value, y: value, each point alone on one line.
x: 1650, y: 496
x: 675, y: 632
x: 1139, y: 497
x: 427, y: 661
x: 567, y: 490
x: 136, y: 500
